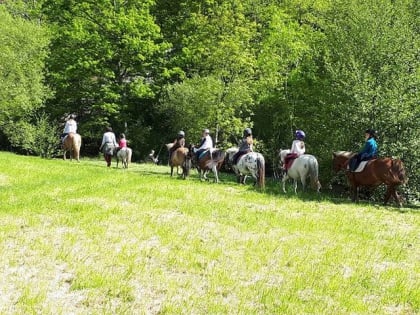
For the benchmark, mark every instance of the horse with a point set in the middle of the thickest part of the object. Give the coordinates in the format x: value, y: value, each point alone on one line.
x: 181, y: 157
x: 302, y: 167
x: 251, y: 163
x: 211, y: 159
x: 124, y: 154
x: 387, y: 171
x: 72, y: 143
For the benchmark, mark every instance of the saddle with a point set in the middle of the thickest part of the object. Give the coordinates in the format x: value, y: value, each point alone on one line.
x: 290, y: 158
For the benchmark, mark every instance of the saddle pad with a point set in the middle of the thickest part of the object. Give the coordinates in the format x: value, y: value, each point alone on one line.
x: 361, y: 166
x: 203, y: 153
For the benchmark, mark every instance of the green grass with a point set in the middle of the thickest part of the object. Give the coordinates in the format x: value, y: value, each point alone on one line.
x: 83, y: 239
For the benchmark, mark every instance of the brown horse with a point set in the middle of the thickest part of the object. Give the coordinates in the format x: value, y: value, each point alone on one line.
x: 72, y: 143
x: 209, y: 160
x: 181, y: 157
x: 386, y: 171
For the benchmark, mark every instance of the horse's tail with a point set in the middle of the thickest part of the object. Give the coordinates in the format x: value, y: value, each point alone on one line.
x: 129, y: 154
x: 261, y: 171
x: 313, y: 172
x: 398, y: 171
x: 217, y: 156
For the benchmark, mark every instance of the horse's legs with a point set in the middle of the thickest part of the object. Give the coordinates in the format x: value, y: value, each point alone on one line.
x: 391, y: 191
x: 397, y: 197
x: 303, y: 181
x: 355, y: 193
x: 295, y: 185
x: 172, y: 171
x: 216, y: 176
x: 283, y: 181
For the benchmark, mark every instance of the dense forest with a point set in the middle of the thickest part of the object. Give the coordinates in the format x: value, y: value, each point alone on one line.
x: 152, y: 67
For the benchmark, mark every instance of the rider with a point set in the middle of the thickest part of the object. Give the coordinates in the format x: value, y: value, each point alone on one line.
x: 71, y: 126
x: 179, y: 142
x: 122, y: 143
x: 245, y: 145
x: 369, y: 151
x: 298, y: 148
x: 205, y: 144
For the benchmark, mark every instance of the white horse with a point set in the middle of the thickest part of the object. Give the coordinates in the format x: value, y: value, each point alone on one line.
x: 251, y: 163
x: 302, y: 167
x: 124, y: 154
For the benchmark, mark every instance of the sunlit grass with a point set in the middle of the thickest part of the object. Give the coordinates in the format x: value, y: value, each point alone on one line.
x: 80, y: 238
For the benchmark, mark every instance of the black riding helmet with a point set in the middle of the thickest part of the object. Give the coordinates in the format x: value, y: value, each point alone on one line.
x: 247, y: 132
x: 371, y: 132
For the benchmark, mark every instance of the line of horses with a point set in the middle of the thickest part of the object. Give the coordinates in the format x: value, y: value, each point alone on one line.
x: 387, y: 171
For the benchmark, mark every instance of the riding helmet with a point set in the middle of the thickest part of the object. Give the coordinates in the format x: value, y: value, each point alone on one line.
x: 371, y: 132
x: 247, y: 132
x: 181, y: 133
x: 300, y: 135
x: 206, y: 131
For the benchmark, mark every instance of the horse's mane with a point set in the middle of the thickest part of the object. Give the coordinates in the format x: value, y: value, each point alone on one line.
x: 347, y: 154
x: 232, y: 150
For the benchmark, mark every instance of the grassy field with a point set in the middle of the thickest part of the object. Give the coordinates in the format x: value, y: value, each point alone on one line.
x: 78, y: 238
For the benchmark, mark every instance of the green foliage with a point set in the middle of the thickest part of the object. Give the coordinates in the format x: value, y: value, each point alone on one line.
x: 208, y: 102
x: 23, y: 51
x: 36, y: 135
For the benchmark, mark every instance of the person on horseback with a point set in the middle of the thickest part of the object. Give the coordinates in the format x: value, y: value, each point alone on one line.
x: 179, y: 142
x: 369, y: 151
x: 123, y: 142
x: 70, y: 126
x: 205, y: 144
x: 298, y: 148
x: 108, y: 145
x: 245, y: 146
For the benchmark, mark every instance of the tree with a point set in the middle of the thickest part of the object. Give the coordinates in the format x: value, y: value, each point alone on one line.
x: 22, y: 88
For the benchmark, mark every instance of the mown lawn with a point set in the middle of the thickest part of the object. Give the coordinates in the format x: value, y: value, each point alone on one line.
x: 78, y: 238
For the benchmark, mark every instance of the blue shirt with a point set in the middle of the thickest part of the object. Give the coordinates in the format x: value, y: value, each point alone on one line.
x: 370, y: 149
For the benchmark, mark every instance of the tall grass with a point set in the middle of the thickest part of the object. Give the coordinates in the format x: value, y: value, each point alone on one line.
x: 84, y: 239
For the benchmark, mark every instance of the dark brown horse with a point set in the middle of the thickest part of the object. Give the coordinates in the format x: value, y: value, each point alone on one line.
x: 181, y: 157
x: 210, y: 160
x: 386, y: 171
x: 72, y: 143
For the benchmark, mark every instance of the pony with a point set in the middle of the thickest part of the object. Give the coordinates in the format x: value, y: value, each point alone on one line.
x: 181, y: 157
x: 387, y: 171
x: 211, y: 159
x: 302, y: 167
x: 251, y: 163
x: 124, y: 154
x: 72, y: 143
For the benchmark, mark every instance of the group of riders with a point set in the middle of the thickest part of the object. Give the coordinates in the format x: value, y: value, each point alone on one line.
x: 368, y: 152
x: 109, y: 145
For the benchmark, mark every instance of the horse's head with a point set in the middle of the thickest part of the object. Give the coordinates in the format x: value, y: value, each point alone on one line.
x: 282, y: 155
x: 341, y: 160
x: 231, y: 152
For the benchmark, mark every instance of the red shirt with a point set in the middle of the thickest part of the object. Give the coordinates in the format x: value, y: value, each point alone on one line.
x: 122, y: 143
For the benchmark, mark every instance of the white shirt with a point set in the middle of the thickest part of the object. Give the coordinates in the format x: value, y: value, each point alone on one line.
x: 71, y: 126
x: 298, y: 147
x: 207, y: 144
x: 109, y: 137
